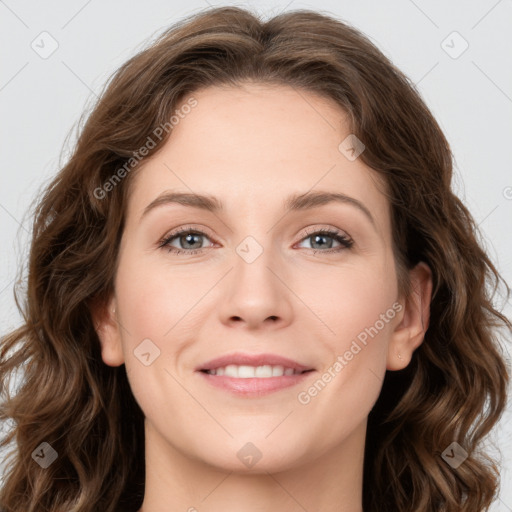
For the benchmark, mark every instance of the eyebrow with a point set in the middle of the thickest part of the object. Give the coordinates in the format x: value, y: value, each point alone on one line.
x: 296, y: 202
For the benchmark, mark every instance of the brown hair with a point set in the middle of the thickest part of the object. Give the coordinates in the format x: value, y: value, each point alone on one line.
x: 454, y: 389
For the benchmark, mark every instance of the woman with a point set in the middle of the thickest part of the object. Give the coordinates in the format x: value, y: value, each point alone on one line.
x: 255, y: 369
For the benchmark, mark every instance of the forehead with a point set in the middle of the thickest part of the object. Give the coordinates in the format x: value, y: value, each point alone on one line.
x: 253, y: 145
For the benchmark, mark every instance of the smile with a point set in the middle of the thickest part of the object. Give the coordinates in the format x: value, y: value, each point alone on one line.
x: 250, y: 372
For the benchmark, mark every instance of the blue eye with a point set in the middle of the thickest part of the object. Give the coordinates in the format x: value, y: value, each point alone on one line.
x: 319, y: 237
x: 191, y: 241
x: 187, y: 237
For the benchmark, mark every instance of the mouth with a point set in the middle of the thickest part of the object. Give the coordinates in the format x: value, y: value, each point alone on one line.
x: 252, y: 375
x: 251, y: 372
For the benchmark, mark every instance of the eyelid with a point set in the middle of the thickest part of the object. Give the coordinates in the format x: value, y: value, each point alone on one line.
x: 316, y: 228
x: 186, y: 228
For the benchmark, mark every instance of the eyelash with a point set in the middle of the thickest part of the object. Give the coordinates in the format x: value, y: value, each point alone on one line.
x: 339, y: 236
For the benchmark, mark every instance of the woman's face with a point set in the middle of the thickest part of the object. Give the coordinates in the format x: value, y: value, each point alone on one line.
x: 251, y: 272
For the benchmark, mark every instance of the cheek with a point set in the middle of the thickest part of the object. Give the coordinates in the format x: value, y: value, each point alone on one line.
x: 358, y: 308
x: 151, y: 304
x: 161, y: 303
x: 153, y: 297
x: 349, y: 299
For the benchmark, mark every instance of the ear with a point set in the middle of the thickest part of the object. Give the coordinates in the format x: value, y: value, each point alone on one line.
x: 410, y: 329
x: 104, y: 317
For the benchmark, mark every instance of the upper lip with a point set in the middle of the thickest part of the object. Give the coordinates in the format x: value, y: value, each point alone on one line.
x: 239, y: 358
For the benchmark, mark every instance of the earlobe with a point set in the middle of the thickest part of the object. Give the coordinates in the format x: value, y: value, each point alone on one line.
x: 410, y: 331
x: 104, y: 317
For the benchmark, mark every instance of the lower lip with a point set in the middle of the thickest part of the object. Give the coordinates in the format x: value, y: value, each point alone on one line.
x: 255, y: 386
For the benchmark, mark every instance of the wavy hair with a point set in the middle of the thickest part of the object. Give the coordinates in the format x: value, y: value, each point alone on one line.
x: 454, y: 389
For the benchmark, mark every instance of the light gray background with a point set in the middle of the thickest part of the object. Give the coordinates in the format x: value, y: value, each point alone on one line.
x: 471, y: 96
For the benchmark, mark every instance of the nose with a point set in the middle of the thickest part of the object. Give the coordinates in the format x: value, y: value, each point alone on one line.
x: 257, y: 294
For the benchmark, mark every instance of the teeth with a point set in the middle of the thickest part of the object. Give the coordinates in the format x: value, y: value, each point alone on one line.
x: 250, y: 372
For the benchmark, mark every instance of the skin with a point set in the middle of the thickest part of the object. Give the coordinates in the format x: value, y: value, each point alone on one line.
x: 252, y: 147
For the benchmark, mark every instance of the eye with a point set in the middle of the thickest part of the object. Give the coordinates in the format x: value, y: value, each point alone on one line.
x: 320, y: 239
x: 189, y: 241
